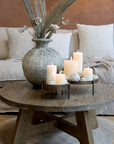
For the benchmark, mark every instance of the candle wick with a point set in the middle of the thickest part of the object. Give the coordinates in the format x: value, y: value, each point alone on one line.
x: 71, y: 58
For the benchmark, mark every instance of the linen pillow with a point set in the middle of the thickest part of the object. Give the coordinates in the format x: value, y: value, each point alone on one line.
x: 74, y: 43
x: 61, y: 43
x: 19, y: 43
x: 96, y: 42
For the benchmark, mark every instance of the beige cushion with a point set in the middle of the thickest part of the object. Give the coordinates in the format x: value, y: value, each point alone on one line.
x: 74, y: 42
x: 96, y: 42
x: 19, y: 43
x: 3, y: 44
x: 61, y: 43
x: 10, y: 70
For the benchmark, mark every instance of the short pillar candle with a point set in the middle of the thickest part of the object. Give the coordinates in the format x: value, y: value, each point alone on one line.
x: 78, y: 56
x: 70, y: 67
x: 51, y: 73
x: 88, y: 74
x: 60, y: 79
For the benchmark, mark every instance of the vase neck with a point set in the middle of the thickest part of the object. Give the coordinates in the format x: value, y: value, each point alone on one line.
x: 42, y: 43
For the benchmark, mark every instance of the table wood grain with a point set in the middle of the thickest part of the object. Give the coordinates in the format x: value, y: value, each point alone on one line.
x: 23, y: 96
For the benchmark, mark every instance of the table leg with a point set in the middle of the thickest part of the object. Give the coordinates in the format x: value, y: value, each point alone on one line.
x: 93, y: 119
x: 24, y: 118
x: 85, y: 128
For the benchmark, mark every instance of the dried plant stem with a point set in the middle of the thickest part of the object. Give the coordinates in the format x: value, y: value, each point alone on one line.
x: 57, y: 12
x: 50, y: 34
x: 53, y: 17
x: 31, y: 34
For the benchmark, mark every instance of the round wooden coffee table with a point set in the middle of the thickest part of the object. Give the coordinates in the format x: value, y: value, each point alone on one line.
x: 34, y: 112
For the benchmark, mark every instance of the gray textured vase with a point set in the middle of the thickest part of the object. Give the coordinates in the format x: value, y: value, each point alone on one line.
x: 36, y: 60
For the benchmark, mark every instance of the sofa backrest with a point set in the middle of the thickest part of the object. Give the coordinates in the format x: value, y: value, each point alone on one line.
x: 4, y: 42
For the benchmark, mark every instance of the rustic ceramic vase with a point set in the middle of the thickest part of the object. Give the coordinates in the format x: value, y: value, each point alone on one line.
x: 36, y: 60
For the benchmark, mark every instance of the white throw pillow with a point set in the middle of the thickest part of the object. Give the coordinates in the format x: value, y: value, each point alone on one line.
x: 74, y: 43
x: 19, y: 43
x: 61, y: 43
x: 96, y: 42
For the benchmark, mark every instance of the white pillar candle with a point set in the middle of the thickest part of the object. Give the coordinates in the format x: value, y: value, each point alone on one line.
x: 78, y: 56
x: 60, y: 79
x: 70, y: 67
x: 51, y: 73
x: 88, y: 74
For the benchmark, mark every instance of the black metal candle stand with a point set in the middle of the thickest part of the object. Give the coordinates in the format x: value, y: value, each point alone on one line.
x: 85, y: 83
x: 56, y: 88
x: 66, y: 87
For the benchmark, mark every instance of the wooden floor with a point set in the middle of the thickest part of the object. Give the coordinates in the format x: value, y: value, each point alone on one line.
x: 6, y: 117
x: 109, y: 117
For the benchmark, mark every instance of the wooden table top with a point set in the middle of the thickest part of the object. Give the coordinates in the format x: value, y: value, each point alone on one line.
x: 23, y: 96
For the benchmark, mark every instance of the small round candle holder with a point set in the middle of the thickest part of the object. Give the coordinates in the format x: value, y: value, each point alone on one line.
x: 56, y: 88
x: 85, y: 83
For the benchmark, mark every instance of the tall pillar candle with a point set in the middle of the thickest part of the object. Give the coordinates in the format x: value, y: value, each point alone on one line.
x: 60, y: 79
x: 78, y: 56
x: 70, y: 67
x: 88, y: 74
x: 51, y: 73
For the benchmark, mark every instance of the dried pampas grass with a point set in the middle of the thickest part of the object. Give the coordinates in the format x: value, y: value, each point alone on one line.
x: 52, y: 17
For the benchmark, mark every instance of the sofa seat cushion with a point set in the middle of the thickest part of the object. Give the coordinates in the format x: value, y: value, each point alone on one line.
x: 10, y: 70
